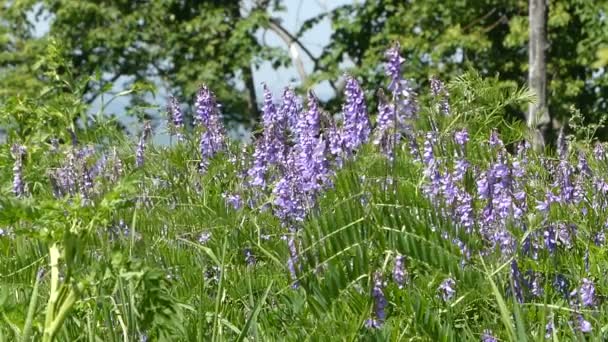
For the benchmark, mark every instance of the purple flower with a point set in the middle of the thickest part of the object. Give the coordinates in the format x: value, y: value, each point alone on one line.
x: 461, y: 137
x: 356, y: 122
x: 561, y: 284
x: 311, y: 158
x: 495, y: 140
x: 583, y: 325
x: 586, y: 293
x: 141, y: 145
x: 549, y: 328
x: 583, y: 166
x: 487, y: 336
x: 380, y: 303
x: 565, y: 234
x: 234, y: 200
x: 533, y: 283
x: 439, y: 91
x: 387, y: 135
x: 19, y: 188
x: 447, y: 289
x: 550, y: 239
x: 393, y: 65
x: 600, y: 238
x: 257, y: 172
x: 208, y: 117
x: 427, y: 151
x: 517, y: 282
x: 176, y: 117
x: 464, y: 250
x: 204, y: 237
x: 290, y: 108
x: 249, y: 257
x: 335, y: 142
x: 288, y: 197
x: 599, y: 152
x: 117, y: 167
x: 404, y: 97
x: 399, y: 273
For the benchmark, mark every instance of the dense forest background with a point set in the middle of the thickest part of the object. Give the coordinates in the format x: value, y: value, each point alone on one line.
x: 178, y: 45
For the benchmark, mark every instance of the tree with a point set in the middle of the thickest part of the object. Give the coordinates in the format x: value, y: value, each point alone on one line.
x: 182, y: 43
x: 537, y: 116
x: 447, y: 37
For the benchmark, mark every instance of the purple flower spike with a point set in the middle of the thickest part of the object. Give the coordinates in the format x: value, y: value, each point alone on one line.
x: 393, y: 66
x: 404, y: 97
x: 399, y: 273
x: 583, y: 325
x: 487, y: 336
x: 141, y: 145
x: 234, y: 200
x: 387, y: 135
x: 599, y: 152
x: 356, y: 122
x: 549, y: 328
x: 439, y: 91
x: 380, y: 303
x: 249, y: 257
x: 257, y: 172
x: 517, y: 282
x: 461, y: 137
x: 176, y: 117
x: 550, y: 239
x: 447, y: 289
x: 586, y: 293
x: 208, y: 117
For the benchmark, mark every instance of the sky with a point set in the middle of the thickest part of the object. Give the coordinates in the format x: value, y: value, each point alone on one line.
x: 297, y: 11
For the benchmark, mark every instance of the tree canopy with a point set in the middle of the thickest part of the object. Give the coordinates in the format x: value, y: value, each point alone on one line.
x: 185, y: 43
x: 448, y: 37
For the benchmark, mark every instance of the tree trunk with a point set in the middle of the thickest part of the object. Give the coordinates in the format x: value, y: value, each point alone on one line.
x: 252, y: 104
x: 538, y: 119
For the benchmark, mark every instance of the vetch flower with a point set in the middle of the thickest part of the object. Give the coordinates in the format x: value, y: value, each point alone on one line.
x: 387, y: 134
x: 447, y: 289
x: 583, y: 325
x: 234, y: 200
x: 586, y: 293
x: 249, y: 257
x: 176, y: 117
x: 550, y: 239
x: 439, y: 91
x: 210, y: 120
x: 517, y: 282
x: 141, y: 145
x: 561, y: 284
x: 461, y: 137
x: 549, y: 328
x: 204, y: 237
x: 379, y: 315
x: 487, y: 336
x: 399, y: 272
x: 356, y: 122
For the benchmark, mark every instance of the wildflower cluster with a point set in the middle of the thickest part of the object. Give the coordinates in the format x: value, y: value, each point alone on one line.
x: 503, y: 206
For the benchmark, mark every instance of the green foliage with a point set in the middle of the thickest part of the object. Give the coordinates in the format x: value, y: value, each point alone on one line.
x: 158, y: 253
x: 448, y: 37
x: 179, y: 43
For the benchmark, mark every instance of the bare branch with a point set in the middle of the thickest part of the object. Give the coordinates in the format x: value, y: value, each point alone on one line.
x: 293, y: 44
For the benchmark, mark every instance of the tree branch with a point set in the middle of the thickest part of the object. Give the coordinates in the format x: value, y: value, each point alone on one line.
x: 293, y: 43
